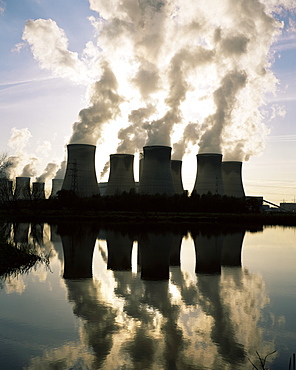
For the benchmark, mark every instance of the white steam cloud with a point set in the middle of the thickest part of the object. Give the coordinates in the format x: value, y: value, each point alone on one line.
x: 166, y: 66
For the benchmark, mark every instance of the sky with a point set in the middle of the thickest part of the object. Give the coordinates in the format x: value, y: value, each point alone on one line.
x: 208, y: 76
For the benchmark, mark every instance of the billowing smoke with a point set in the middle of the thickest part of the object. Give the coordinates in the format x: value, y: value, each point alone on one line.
x: 48, y: 173
x: 160, y: 66
x: 61, y: 171
x: 29, y: 169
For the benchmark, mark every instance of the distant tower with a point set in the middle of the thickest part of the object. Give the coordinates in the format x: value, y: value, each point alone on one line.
x: 56, y: 186
x: 80, y: 173
x: 38, y: 190
x: 232, y: 179
x: 155, y: 172
x: 22, y: 188
x: 209, y: 174
x: 121, y: 176
x: 176, y: 167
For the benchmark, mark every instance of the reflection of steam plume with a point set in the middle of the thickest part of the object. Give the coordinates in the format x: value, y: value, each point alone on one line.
x: 78, y: 246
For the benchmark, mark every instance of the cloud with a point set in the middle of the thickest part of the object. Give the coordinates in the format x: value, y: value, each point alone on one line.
x: 2, y: 7
x: 49, y: 46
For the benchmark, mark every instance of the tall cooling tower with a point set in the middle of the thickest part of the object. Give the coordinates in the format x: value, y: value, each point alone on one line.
x: 176, y: 167
x: 156, y: 174
x: 209, y: 174
x: 121, y: 177
x: 5, y: 189
x: 232, y: 179
x: 22, y: 188
x: 38, y: 190
x: 80, y: 175
x: 56, y: 186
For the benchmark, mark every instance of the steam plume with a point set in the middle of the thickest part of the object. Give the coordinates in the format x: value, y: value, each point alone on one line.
x: 48, y: 173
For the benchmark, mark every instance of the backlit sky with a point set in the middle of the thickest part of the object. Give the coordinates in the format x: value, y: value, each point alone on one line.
x: 213, y: 77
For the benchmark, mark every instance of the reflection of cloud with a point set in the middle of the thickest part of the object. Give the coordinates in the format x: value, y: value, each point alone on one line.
x: 15, y: 285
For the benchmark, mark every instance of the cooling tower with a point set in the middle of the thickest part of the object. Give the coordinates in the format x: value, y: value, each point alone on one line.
x: 121, y: 176
x: 176, y: 167
x: 22, y: 188
x: 80, y: 175
x: 232, y: 179
x: 5, y: 189
x: 56, y: 186
x: 38, y: 190
x: 156, y: 175
x: 209, y: 174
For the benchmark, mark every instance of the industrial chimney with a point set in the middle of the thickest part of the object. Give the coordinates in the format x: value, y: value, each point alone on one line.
x: 121, y: 176
x: 55, y: 187
x: 80, y: 175
x: 176, y: 167
x: 209, y: 174
x: 232, y: 179
x: 38, y: 190
x: 22, y: 188
x: 156, y: 174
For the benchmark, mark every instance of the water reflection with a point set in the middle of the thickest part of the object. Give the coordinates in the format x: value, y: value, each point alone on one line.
x: 161, y: 317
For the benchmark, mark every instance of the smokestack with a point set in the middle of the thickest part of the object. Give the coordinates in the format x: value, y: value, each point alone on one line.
x: 121, y: 176
x: 22, y: 188
x: 232, y: 179
x: 55, y: 187
x: 209, y: 174
x: 80, y: 175
x: 176, y: 167
x: 156, y: 174
x: 38, y: 190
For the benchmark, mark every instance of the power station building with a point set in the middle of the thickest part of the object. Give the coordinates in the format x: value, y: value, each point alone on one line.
x: 80, y: 176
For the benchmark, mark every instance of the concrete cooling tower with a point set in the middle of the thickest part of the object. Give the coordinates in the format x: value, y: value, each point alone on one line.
x: 209, y: 174
x: 38, y: 190
x: 5, y: 189
x: 232, y: 179
x: 176, y: 167
x: 156, y: 174
x: 121, y: 176
x: 56, y: 186
x: 80, y: 175
x: 22, y: 188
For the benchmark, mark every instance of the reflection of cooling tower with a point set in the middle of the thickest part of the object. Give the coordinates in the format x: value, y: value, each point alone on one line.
x: 176, y: 167
x: 38, y: 190
x: 154, y: 253
x: 121, y: 177
x: 232, y: 179
x: 80, y: 175
x: 21, y: 232
x: 119, y: 251
x: 209, y: 174
x: 37, y: 232
x: 22, y: 188
x: 56, y: 186
x: 208, y: 254
x: 175, y: 255
x: 156, y: 175
x: 5, y: 189
x: 78, y: 246
x: 232, y: 249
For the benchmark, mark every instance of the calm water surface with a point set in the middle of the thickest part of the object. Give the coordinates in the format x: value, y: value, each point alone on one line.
x: 154, y: 300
